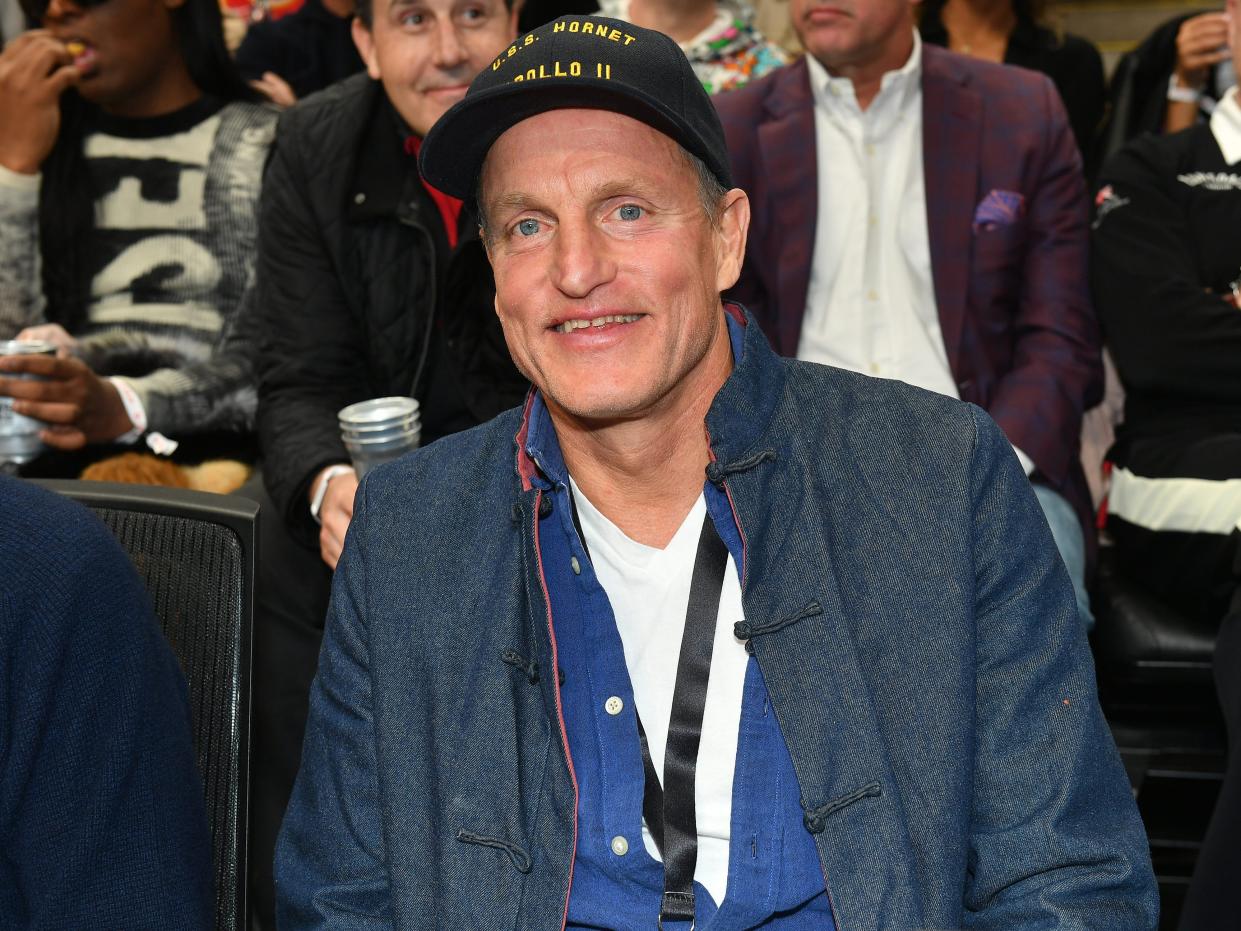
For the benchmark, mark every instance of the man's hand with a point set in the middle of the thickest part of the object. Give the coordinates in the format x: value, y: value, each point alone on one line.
x: 35, y: 70
x: 78, y: 405
x: 335, y: 514
x: 1201, y: 43
x: 275, y: 88
x: 52, y: 333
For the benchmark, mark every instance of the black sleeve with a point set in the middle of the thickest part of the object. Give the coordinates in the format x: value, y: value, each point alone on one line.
x: 1168, y: 334
x: 261, y: 50
x: 312, y: 345
x: 1083, y: 88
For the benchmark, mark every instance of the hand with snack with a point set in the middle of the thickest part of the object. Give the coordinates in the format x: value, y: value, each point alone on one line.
x: 78, y: 406
x: 35, y: 69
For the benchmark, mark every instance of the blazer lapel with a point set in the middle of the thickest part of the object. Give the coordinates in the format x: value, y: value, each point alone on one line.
x: 951, y: 146
x: 786, y: 141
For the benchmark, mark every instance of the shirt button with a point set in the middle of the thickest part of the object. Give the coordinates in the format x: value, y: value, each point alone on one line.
x: 359, y: 198
x: 870, y: 149
x: 874, y: 368
x: 872, y: 295
x: 620, y: 846
x: 613, y: 705
x: 575, y: 565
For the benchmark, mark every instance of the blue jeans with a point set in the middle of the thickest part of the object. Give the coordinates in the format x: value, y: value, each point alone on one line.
x: 1066, y: 530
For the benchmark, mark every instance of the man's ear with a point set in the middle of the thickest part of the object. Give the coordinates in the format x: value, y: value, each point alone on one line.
x: 730, y: 238
x: 365, y: 42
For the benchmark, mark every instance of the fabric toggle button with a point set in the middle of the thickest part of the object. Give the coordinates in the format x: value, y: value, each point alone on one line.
x: 575, y: 565
x: 613, y: 705
x: 620, y: 846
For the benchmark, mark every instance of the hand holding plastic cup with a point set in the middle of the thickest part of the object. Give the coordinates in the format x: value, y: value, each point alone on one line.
x: 379, y: 430
x: 19, y: 436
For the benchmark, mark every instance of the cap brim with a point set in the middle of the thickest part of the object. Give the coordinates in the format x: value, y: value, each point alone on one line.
x: 455, y: 148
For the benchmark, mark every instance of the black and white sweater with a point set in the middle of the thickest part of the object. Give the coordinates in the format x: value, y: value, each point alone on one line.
x: 171, y: 261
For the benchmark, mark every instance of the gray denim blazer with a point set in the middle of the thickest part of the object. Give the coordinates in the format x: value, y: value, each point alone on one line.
x: 911, y: 617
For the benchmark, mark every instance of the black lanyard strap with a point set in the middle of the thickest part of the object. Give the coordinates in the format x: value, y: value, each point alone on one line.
x: 670, y: 810
x: 679, y: 843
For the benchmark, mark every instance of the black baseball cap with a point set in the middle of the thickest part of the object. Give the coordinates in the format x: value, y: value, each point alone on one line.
x: 590, y: 62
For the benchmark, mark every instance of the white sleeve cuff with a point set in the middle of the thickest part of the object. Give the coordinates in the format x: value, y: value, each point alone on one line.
x: 1026, y: 462
x: 16, y: 181
x: 133, y: 408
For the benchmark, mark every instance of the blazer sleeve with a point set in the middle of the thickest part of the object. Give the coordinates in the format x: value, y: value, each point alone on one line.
x: 331, y: 867
x: 1056, y: 371
x: 1169, y: 333
x: 1055, y: 840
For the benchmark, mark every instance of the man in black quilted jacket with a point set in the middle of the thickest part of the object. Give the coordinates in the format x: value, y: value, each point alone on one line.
x: 371, y: 284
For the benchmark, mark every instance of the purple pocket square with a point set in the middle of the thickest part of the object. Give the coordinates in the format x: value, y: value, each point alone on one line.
x: 999, y: 208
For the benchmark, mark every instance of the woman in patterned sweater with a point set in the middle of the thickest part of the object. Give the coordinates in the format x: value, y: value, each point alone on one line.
x: 130, y: 166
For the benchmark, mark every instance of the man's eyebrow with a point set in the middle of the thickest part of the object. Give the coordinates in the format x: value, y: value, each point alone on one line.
x: 606, y: 190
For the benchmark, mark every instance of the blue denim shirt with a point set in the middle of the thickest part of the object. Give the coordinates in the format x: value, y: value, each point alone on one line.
x: 773, y: 866
x: 915, y: 630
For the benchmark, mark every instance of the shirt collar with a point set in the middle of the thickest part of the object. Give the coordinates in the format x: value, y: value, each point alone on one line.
x: 1226, y: 126
x: 541, y: 444
x: 829, y: 91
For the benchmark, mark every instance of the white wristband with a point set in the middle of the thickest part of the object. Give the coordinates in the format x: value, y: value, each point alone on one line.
x: 1179, y: 94
x: 133, y: 409
x: 316, y: 503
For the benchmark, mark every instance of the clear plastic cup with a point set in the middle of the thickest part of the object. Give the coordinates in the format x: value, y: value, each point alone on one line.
x: 379, y: 430
x: 19, y: 436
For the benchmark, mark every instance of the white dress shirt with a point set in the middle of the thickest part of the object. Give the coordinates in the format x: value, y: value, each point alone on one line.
x: 870, y: 306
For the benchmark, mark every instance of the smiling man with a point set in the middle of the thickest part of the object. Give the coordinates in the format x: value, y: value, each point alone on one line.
x: 699, y: 637
x: 371, y: 284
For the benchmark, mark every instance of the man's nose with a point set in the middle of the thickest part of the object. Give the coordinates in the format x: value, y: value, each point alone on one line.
x: 449, y: 49
x: 582, y: 260
x: 59, y: 11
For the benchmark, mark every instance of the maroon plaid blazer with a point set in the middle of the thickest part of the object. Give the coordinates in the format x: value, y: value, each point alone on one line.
x: 1007, y: 211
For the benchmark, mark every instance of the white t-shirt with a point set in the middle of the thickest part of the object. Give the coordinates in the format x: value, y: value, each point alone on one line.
x: 649, y: 592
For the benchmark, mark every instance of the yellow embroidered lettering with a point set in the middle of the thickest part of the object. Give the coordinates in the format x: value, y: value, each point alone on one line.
x: 558, y: 27
x: 628, y: 38
x: 588, y: 29
x: 614, y: 35
x: 575, y: 69
x: 559, y: 72
x: 575, y: 26
x: 529, y: 40
x: 512, y: 50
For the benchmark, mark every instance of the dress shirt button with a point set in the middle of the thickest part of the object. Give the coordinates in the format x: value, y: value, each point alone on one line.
x: 620, y: 846
x: 872, y: 295
x: 575, y: 565
x: 874, y: 368
x: 874, y: 220
x: 870, y: 149
x: 613, y: 705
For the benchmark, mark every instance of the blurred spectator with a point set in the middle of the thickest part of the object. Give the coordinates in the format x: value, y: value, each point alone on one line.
x: 1167, y: 278
x: 952, y: 258
x: 129, y: 174
x: 1201, y: 44
x: 718, y: 37
x: 1014, y: 32
x: 285, y: 59
x: 1169, y: 81
x: 371, y: 284
x: 102, y: 822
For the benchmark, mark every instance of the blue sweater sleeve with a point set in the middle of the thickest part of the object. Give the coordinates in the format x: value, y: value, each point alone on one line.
x: 102, y: 819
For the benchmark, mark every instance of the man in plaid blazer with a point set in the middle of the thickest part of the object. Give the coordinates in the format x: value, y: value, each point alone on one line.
x: 988, y: 228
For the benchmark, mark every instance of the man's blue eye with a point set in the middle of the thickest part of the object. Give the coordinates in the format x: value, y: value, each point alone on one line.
x: 528, y: 227
x: 630, y: 212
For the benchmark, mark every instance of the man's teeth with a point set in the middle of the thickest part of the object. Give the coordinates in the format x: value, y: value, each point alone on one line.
x: 570, y: 325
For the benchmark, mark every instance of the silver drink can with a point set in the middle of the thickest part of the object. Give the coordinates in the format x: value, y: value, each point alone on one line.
x: 19, y: 436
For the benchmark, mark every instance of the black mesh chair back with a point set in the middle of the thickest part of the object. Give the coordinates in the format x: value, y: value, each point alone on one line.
x: 196, y: 554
